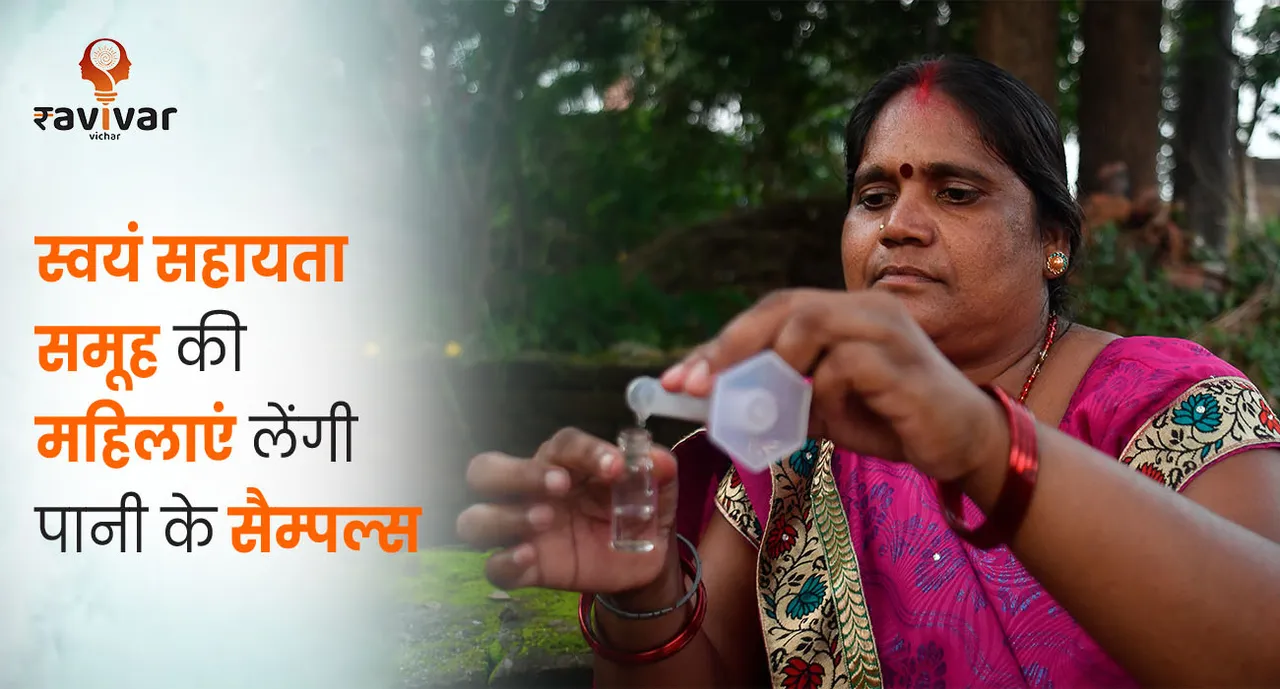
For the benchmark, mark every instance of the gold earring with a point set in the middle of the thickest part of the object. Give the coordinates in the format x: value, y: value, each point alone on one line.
x: 1057, y: 263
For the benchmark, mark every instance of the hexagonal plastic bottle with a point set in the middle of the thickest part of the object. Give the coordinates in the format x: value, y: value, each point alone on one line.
x: 758, y: 410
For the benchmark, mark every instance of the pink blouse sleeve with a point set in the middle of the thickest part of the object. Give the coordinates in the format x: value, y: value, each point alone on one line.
x: 1169, y: 409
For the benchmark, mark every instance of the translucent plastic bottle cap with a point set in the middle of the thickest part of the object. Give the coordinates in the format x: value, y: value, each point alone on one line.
x: 753, y: 411
x: 642, y: 394
x: 760, y: 411
x: 646, y: 397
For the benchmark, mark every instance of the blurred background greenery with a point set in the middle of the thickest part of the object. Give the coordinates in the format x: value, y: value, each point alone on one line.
x: 605, y: 183
x: 613, y: 179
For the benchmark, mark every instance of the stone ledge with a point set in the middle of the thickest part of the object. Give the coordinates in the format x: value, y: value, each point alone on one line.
x: 458, y: 632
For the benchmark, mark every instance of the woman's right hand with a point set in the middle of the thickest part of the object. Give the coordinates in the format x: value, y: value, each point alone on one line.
x: 551, y: 517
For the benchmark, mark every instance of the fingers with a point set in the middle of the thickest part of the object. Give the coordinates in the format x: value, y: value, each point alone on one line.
x: 749, y: 333
x: 487, y: 526
x: 502, y: 477
x: 691, y: 372
x: 497, y: 476
x: 797, y: 324
x: 569, y: 459
x: 664, y: 465
x: 805, y: 336
x: 582, y: 454
x: 850, y: 366
x: 531, y: 503
x: 831, y: 384
x: 513, y: 568
x: 847, y: 383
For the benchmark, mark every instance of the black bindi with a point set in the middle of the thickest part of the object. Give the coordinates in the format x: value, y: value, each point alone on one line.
x: 906, y: 170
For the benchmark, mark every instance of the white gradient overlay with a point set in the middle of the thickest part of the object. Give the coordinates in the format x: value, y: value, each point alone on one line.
x: 272, y: 137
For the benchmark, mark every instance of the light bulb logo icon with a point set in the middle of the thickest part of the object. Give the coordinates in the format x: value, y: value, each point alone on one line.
x: 105, y: 64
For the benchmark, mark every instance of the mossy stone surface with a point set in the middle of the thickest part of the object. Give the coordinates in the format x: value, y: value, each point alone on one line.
x: 460, y: 632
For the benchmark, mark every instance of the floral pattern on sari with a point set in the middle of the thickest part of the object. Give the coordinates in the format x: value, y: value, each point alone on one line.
x: 817, y: 629
x: 733, y: 503
x: 947, y: 614
x: 1213, y: 418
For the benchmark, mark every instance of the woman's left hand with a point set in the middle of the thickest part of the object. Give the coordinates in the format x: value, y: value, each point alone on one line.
x: 880, y: 386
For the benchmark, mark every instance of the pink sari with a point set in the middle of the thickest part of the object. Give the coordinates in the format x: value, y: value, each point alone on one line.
x: 861, y: 583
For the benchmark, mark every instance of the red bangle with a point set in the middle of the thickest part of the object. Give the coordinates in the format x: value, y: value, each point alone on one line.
x: 1020, y: 482
x: 666, y: 650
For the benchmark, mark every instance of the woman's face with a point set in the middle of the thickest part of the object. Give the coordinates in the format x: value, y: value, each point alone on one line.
x: 959, y: 243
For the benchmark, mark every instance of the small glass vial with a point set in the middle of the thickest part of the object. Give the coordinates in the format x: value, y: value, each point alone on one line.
x: 635, y: 497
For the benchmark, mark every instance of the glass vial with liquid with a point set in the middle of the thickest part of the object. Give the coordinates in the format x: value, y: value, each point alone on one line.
x: 635, y: 495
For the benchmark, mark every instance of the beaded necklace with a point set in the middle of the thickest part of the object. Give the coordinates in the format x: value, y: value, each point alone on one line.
x: 1044, y: 354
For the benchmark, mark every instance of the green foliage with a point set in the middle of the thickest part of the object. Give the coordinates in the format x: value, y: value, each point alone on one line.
x: 1260, y: 72
x: 731, y: 104
x: 605, y: 171
x: 536, y: 190
x: 590, y: 309
x: 1069, y: 51
x: 1119, y: 292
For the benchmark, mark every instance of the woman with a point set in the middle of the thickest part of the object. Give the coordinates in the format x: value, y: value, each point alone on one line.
x: 960, y: 518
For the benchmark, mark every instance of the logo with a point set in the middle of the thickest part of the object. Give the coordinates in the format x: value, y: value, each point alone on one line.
x: 105, y: 64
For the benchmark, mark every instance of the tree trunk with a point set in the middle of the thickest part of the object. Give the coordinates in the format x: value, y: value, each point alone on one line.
x: 1120, y: 79
x: 1239, y: 154
x: 1205, y: 120
x: 1022, y: 38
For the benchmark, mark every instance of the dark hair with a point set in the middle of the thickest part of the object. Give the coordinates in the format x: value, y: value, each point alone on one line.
x: 1014, y: 123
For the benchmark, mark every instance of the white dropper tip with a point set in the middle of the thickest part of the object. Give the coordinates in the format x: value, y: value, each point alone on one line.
x: 646, y: 397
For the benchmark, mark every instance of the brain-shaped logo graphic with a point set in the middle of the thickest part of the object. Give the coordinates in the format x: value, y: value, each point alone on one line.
x: 105, y: 55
